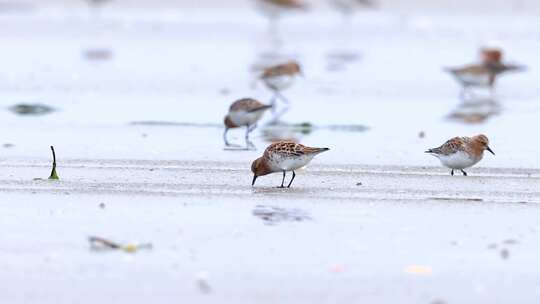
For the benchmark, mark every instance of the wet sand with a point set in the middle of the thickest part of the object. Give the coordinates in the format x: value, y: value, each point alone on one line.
x: 405, y: 234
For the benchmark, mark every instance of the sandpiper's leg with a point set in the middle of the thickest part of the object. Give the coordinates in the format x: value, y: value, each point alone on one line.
x: 276, y: 115
x: 273, y: 102
x: 293, y: 176
x: 464, y: 173
x: 252, y: 127
x: 452, y: 172
x: 283, y: 180
x: 283, y: 98
x: 225, y: 137
x: 279, y: 114
x: 247, y: 137
x: 249, y: 129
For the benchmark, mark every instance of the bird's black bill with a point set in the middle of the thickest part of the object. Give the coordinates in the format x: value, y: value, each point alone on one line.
x: 254, y: 179
x: 490, y: 151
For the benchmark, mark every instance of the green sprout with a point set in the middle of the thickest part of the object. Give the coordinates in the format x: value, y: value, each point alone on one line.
x: 53, y: 172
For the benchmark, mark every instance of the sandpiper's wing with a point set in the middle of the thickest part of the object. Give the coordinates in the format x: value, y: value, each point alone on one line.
x: 292, y: 149
x: 248, y: 105
x: 480, y: 75
x: 280, y: 70
x: 367, y: 3
x: 450, y: 147
x: 273, y: 71
x: 510, y: 67
x: 473, y: 69
x: 287, y: 3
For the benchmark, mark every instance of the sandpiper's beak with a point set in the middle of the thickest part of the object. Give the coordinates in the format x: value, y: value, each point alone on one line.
x: 254, y: 179
x: 489, y: 149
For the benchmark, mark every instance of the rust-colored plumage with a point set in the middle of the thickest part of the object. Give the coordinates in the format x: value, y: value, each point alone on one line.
x: 462, y: 152
x: 290, y: 149
x: 473, y: 145
x: 290, y: 68
x: 485, y: 73
x: 283, y: 157
x: 247, y: 104
x: 244, y: 112
x: 293, y: 4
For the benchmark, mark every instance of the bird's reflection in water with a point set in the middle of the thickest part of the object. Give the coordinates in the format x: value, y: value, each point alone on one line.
x: 280, y: 131
x: 339, y: 60
x: 271, y: 215
x: 475, y: 110
x: 295, y: 132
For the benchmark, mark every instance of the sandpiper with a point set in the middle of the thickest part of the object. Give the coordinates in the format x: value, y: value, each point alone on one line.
x: 282, y: 157
x: 483, y: 74
x: 274, y: 9
x: 97, y: 2
x: 280, y: 77
x: 460, y: 153
x: 244, y: 112
x: 347, y: 7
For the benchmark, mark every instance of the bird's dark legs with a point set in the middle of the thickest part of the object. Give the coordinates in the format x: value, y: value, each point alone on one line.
x: 273, y: 102
x: 283, y: 98
x: 225, y: 137
x: 283, y: 180
x: 249, y: 129
x: 277, y: 115
x: 293, y: 176
x: 462, y: 171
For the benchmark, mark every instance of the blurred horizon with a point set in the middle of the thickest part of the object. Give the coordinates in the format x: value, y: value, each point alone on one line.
x: 447, y: 6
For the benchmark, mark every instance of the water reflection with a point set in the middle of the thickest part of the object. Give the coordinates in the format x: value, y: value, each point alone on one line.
x: 475, y: 110
x: 296, y: 131
x: 272, y: 132
x: 274, y: 215
x: 339, y: 60
x: 290, y: 132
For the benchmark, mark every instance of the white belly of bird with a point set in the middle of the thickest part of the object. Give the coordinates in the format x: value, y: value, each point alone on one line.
x: 244, y: 118
x: 473, y: 79
x: 289, y: 163
x: 458, y: 160
x: 279, y: 83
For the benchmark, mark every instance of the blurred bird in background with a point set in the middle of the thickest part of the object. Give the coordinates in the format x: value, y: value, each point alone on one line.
x: 483, y: 74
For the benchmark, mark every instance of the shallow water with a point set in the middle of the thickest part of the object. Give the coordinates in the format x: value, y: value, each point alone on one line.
x: 163, y: 68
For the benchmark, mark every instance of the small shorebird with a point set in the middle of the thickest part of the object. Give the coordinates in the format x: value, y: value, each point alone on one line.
x: 274, y: 9
x: 282, y: 157
x: 347, y: 7
x: 483, y: 74
x: 280, y: 77
x: 460, y: 153
x: 244, y: 112
x: 97, y: 2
